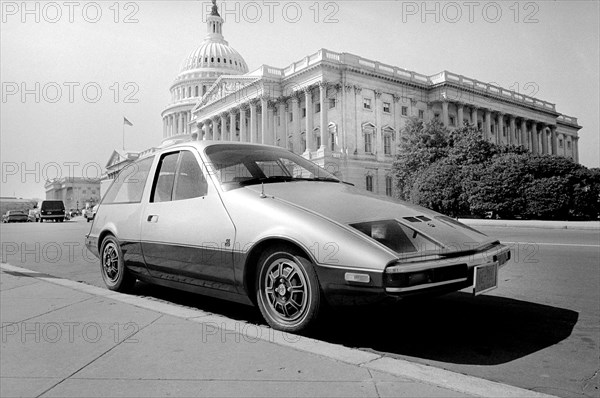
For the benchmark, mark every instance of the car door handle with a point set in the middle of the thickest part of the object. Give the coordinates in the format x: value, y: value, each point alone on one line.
x: 152, y: 218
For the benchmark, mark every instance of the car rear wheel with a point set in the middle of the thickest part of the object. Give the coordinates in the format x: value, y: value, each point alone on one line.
x: 112, y: 267
x: 287, y: 290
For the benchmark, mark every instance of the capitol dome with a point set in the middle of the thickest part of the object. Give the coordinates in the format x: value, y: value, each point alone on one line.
x: 200, y: 69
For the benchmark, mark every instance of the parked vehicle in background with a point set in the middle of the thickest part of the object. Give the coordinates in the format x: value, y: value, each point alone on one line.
x: 74, y: 213
x: 51, y: 210
x: 14, y: 216
x: 90, y: 213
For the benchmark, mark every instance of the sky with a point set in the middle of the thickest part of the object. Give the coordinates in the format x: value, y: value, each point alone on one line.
x: 71, y: 71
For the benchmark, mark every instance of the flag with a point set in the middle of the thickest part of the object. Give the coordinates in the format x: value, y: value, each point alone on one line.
x: 127, y: 122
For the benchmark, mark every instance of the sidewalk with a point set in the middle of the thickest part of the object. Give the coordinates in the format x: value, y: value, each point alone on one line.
x: 64, y: 338
x: 585, y: 225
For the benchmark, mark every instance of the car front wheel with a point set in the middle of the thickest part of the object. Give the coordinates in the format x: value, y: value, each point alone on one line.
x: 112, y: 267
x: 287, y: 290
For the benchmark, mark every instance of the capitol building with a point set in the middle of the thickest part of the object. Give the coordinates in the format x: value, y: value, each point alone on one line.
x: 345, y: 112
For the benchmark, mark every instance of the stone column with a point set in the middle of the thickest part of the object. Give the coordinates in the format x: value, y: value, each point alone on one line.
x: 460, y: 116
x: 488, y: 124
x: 553, y: 139
x: 296, y: 129
x: 270, y: 132
x: 200, y: 126
x: 215, y: 128
x: 232, y: 131
x: 164, y: 127
x: 282, y: 131
x: 575, y: 149
x: 534, y: 137
x: 189, y: 121
x: 512, y: 131
x: 309, y: 119
x: 253, y: 122
x: 264, y: 122
x: 223, y: 127
x: 445, y: 118
x: 243, y: 134
x: 378, y: 144
x: 500, y: 139
x: 524, y: 135
x: 544, y: 136
x: 181, y: 123
x: 324, y: 122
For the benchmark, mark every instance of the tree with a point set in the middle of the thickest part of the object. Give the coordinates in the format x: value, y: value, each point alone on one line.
x: 421, y: 144
x: 439, y: 187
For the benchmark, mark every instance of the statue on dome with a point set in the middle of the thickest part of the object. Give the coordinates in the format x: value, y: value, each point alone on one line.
x: 215, y: 9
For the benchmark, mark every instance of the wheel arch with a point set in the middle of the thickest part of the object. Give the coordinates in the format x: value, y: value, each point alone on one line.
x: 251, y: 263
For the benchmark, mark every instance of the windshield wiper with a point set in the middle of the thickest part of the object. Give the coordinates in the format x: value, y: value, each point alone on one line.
x: 260, y: 180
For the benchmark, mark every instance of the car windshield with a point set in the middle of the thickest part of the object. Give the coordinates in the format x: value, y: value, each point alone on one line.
x: 240, y: 165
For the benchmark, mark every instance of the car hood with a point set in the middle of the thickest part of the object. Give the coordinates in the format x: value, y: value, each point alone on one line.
x: 347, y: 205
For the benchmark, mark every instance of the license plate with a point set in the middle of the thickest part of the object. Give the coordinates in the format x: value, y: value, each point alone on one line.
x: 485, y: 278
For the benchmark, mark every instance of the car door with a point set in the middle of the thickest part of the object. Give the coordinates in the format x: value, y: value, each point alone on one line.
x: 187, y: 235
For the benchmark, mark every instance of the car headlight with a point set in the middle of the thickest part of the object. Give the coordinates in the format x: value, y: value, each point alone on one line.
x: 397, y: 236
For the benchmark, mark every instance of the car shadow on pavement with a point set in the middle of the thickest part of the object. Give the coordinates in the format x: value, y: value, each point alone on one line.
x: 455, y: 328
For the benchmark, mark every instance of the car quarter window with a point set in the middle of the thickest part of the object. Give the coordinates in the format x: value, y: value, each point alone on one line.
x: 129, y: 184
x: 189, y: 180
x: 162, y: 191
x: 178, y: 177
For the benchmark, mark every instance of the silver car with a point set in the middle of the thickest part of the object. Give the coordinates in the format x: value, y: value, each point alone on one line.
x: 260, y: 225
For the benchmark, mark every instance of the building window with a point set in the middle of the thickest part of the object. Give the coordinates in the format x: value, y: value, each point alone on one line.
x: 331, y: 103
x: 197, y: 91
x: 452, y: 121
x: 303, y: 112
x: 421, y: 114
x: 189, y: 92
x: 504, y: 131
x: 369, y: 183
x: 318, y: 139
x: 317, y: 108
x: 387, y: 144
x: 560, y: 143
x: 203, y: 90
x: 405, y: 111
x: 291, y: 117
x: 479, y: 125
x: 368, y: 142
x: 436, y: 116
x: 366, y: 103
x: 386, y: 107
x: 388, y: 185
x: 492, y: 129
x: 303, y: 143
x: 568, y: 144
x: 332, y: 142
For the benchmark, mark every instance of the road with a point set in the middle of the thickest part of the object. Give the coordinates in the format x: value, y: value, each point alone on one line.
x: 540, y: 329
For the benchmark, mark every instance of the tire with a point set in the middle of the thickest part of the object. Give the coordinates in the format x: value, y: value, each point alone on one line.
x: 287, y: 290
x: 115, y: 275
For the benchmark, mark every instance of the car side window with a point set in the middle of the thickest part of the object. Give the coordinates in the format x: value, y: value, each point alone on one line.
x: 129, y: 184
x: 189, y: 180
x: 162, y: 191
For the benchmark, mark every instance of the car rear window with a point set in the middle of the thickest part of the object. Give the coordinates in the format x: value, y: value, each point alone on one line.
x: 53, y: 205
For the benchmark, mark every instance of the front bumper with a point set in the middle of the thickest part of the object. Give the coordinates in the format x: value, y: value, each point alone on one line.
x: 351, y: 286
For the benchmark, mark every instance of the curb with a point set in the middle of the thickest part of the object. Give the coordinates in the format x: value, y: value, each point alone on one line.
x: 398, y: 367
x: 573, y: 225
